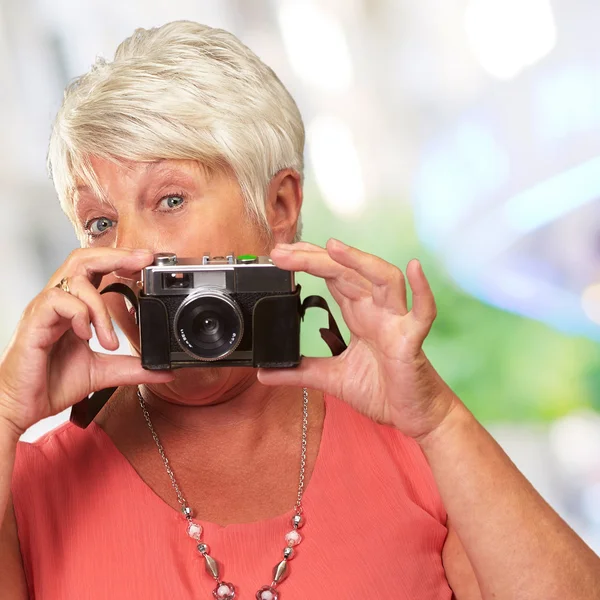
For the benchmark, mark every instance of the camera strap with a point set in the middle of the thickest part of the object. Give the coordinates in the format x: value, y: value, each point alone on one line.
x: 332, y: 335
x: 84, y: 412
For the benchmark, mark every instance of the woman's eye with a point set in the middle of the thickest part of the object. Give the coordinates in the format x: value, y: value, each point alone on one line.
x: 97, y: 227
x: 170, y: 202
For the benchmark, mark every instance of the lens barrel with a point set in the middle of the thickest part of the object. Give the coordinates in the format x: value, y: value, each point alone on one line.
x: 209, y: 325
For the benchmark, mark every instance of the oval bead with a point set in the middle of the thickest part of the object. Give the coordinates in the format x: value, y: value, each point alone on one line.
x: 211, y: 565
x: 280, y: 571
x: 288, y: 553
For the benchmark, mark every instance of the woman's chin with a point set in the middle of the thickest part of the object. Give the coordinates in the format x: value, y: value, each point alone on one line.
x: 196, y: 379
x: 203, y: 384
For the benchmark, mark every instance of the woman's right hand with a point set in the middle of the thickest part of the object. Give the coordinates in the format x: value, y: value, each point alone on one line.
x: 49, y: 366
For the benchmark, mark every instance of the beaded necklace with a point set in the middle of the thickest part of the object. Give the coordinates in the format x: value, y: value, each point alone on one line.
x: 223, y: 589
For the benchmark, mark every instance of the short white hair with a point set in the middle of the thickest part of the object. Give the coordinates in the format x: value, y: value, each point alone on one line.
x: 180, y: 91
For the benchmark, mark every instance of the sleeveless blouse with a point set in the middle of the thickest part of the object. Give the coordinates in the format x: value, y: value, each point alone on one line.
x: 90, y: 528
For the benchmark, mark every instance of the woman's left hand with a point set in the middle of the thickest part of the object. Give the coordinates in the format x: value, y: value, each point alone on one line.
x: 384, y: 372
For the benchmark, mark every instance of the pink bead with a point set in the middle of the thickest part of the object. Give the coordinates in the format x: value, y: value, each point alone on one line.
x: 293, y: 538
x: 267, y: 593
x: 224, y: 591
x: 194, y: 531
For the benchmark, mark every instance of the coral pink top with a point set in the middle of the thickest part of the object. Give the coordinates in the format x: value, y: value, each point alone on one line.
x: 90, y: 528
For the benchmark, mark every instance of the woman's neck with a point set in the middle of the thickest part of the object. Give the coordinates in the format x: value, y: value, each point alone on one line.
x: 225, y: 453
x: 239, y: 417
x: 244, y: 407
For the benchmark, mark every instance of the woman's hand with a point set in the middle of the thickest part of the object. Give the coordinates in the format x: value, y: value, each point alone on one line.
x: 383, y: 373
x: 48, y: 366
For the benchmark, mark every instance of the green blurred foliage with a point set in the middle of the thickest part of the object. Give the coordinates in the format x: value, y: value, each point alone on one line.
x: 504, y: 367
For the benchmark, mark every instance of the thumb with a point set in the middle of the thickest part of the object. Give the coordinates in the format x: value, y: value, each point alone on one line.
x: 113, y: 370
x: 316, y: 373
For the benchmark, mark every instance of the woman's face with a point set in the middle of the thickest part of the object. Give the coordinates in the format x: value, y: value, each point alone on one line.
x: 176, y: 206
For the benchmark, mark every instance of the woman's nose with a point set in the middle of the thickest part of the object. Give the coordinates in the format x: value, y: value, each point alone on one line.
x: 132, y: 234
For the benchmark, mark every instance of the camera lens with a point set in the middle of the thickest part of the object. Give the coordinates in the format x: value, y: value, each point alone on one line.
x: 206, y: 325
x: 209, y: 325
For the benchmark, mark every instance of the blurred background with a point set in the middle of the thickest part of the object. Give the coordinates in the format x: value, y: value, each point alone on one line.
x: 462, y: 132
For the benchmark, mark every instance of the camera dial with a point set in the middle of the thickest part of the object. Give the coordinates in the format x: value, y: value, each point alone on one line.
x: 165, y: 259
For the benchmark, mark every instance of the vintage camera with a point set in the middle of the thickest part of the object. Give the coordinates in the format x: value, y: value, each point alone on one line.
x: 222, y: 311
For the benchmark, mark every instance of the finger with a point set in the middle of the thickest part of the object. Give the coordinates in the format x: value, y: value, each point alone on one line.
x: 111, y: 370
x: 423, y: 302
x: 310, y: 261
x: 93, y: 263
x: 317, y: 263
x: 392, y: 295
x: 343, y: 289
x: 321, y: 374
x: 124, y: 264
x: 79, y: 319
x: 53, y: 313
x: 371, y: 267
x: 301, y: 246
x: 344, y: 284
x: 82, y: 288
x: 389, y: 287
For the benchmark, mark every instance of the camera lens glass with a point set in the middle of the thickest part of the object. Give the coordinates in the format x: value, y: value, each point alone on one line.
x: 209, y: 325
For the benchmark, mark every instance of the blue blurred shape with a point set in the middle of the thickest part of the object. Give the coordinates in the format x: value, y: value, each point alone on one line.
x: 554, y: 198
x: 460, y: 169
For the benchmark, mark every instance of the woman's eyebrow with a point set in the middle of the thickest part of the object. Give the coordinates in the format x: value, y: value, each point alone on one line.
x: 85, y: 198
x: 166, y: 171
x: 84, y: 188
x: 170, y: 168
x: 165, y: 166
x: 155, y: 163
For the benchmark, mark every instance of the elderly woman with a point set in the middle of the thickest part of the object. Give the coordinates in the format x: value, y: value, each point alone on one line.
x: 356, y: 476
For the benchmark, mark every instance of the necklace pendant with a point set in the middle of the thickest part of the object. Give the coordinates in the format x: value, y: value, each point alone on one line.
x: 267, y: 592
x: 224, y: 591
x: 194, y: 530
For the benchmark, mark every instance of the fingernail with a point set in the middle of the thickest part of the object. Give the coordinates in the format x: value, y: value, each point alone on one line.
x: 338, y: 243
x: 140, y: 252
x: 113, y: 337
x: 284, y: 247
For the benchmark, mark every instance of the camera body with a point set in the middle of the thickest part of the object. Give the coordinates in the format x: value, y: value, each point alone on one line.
x: 221, y: 311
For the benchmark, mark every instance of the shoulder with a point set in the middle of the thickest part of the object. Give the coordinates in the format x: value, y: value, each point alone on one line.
x: 52, y: 447
x: 387, y: 453
x: 58, y: 474
x: 61, y: 456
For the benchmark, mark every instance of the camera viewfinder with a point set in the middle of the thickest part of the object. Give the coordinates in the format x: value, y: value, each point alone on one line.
x: 172, y: 281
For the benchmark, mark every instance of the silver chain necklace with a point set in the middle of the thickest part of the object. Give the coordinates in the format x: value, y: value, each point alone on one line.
x: 223, y: 589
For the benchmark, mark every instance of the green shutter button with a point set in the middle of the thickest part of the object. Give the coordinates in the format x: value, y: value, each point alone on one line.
x: 247, y: 259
